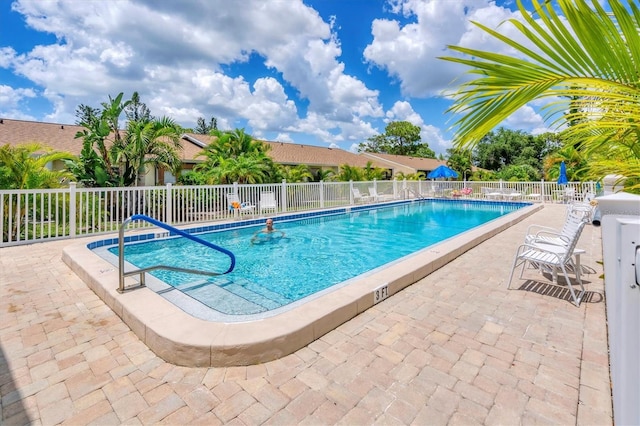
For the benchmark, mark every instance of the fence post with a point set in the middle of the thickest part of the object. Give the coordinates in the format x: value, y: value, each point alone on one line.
x: 542, y: 194
x: 321, y: 194
x: 72, y: 209
x: 283, y: 189
x: 168, y: 213
x: 351, y: 192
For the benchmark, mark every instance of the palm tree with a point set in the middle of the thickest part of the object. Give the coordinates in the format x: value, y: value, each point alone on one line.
x: 155, y: 142
x: 371, y: 172
x: 324, y: 175
x: 576, y: 164
x: 243, y: 169
x: 348, y: 173
x: 22, y: 167
x: 234, y: 156
x: 585, y: 63
x: 232, y: 143
x: 299, y: 173
x: 26, y: 167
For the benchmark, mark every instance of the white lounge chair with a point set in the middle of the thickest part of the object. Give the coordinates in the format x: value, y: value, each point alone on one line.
x: 511, y: 194
x: 358, y: 197
x: 539, y: 234
x: 236, y: 205
x: 491, y: 193
x: 379, y: 197
x: 551, y: 258
x: 268, y: 202
x: 533, y: 196
x: 586, y: 206
x: 569, y: 195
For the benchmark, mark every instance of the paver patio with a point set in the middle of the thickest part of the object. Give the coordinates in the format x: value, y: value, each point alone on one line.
x: 457, y: 347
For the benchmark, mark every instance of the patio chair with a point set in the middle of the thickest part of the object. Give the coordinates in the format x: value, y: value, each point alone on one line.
x: 569, y: 195
x: 379, y: 197
x: 551, y: 258
x: 236, y: 205
x: 358, y: 197
x: 539, y: 234
x: 268, y: 202
x: 491, y: 193
x: 533, y: 196
x: 586, y: 206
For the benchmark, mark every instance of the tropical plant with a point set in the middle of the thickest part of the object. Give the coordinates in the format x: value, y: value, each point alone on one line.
x: 585, y: 63
x: 575, y: 162
x: 234, y: 156
x: 324, y: 175
x: 155, y: 142
x: 25, y: 167
x: 299, y: 173
x: 409, y: 176
x: 371, y: 172
x: 120, y: 160
x: 348, y: 173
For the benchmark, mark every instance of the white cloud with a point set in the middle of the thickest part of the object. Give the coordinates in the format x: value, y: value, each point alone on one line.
x: 186, y: 60
x: 173, y: 55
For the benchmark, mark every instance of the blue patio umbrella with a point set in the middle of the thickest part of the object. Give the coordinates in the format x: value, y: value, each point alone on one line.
x: 442, y: 171
x: 562, y: 179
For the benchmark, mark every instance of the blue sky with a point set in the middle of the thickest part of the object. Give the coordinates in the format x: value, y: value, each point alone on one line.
x: 319, y: 72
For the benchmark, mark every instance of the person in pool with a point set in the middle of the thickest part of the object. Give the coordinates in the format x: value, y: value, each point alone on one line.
x: 267, y: 232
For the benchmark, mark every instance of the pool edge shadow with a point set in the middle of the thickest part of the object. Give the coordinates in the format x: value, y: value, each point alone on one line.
x: 182, y: 339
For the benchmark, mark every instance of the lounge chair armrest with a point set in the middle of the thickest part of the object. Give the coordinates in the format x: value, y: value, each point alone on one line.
x: 542, y: 234
x: 533, y: 229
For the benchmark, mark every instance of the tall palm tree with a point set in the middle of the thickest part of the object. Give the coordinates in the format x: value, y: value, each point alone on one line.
x: 585, y: 63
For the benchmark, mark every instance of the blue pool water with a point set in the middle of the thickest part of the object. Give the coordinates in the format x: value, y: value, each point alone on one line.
x: 315, y: 253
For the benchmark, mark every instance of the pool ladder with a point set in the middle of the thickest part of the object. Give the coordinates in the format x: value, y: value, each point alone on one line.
x: 416, y: 194
x: 141, y: 271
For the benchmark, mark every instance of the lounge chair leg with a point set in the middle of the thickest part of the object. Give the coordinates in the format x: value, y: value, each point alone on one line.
x: 576, y: 300
x: 513, y: 268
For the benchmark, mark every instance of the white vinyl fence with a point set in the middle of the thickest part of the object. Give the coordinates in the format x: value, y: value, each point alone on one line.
x: 37, y: 215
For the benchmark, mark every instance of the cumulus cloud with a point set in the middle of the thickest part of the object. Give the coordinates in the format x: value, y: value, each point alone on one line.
x: 179, y: 57
x: 275, y: 67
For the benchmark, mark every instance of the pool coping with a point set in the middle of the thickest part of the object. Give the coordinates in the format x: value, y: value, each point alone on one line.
x: 182, y: 339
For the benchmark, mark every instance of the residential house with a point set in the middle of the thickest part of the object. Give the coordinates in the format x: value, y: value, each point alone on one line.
x: 62, y: 137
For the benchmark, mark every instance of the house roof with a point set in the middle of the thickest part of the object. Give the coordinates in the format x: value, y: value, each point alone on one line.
x: 292, y: 153
x: 61, y: 137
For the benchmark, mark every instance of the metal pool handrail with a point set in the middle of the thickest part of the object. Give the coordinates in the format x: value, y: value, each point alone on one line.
x: 163, y: 225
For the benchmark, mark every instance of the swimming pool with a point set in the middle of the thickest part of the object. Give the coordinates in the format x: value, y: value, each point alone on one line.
x: 183, y: 339
x: 315, y: 254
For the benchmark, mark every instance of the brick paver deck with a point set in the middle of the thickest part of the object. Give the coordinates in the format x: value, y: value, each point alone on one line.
x: 457, y: 347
